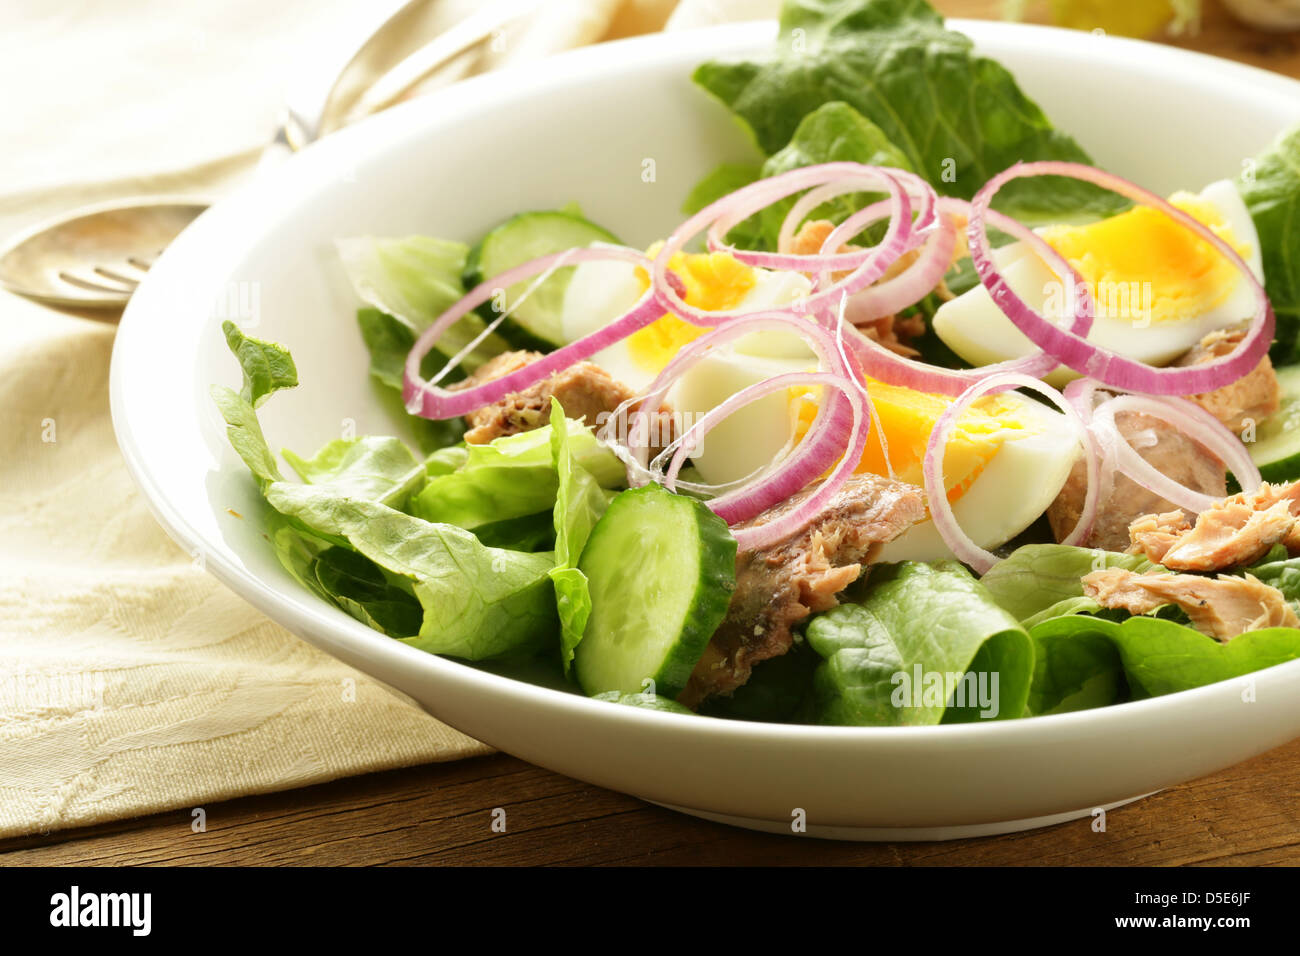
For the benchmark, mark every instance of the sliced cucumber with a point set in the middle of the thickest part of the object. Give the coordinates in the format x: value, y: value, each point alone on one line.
x: 534, y: 322
x: 1276, y: 449
x: 661, y: 568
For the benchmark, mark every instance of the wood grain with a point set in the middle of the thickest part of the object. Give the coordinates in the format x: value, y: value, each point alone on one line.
x: 442, y: 813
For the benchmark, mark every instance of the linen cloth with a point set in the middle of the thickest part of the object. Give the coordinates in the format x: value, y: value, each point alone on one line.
x: 131, y: 682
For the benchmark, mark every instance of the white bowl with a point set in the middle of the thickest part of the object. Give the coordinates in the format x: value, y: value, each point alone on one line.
x: 579, y: 128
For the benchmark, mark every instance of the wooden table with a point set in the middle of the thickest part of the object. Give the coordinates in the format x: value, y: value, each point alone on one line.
x: 441, y: 814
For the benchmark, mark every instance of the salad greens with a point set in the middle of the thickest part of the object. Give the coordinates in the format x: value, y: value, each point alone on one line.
x: 477, y: 551
x: 957, y: 117
x: 1270, y: 185
x: 919, y: 640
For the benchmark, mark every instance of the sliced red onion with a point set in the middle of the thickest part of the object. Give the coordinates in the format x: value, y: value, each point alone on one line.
x: 893, y: 369
x: 941, y: 512
x: 1194, y: 422
x: 819, y: 448
x: 430, y: 401
x: 789, y: 522
x: 1071, y: 348
x: 866, y: 268
x: 908, y: 287
x: 917, y: 188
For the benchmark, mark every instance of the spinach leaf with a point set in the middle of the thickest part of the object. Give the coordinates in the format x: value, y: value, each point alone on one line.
x: 1157, y: 656
x: 1271, y: 188
x: 916, y: 637
x: 1039, y: 578
x: 958, y: 117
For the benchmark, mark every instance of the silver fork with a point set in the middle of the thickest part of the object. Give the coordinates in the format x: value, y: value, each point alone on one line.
x: 95, y: 257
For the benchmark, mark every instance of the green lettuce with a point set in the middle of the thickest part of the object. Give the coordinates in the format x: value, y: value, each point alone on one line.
x: 834, y: 132
x: 1082, y: 658
x: 1270, y: 187
x: 414, y: 279
x: 579, y: 502
x: 377, y: 468
x: 479, y: 602
x: 341, y: 533
x: 1039, y: 581
x: 647, y: 701
x: 911, y: 625
x: 510, y: 477
x: 957, y: 117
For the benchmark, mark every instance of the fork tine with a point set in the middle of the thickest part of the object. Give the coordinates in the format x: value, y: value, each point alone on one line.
x: 140, y: 263
x: 90, y: 286
x: 116, y: 277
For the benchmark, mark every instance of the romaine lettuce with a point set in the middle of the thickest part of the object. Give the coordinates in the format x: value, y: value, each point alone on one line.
x: 959, y: 118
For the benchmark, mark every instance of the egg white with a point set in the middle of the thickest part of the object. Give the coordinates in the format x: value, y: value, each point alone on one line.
x: 1013, y: 490
x: 978, y: 331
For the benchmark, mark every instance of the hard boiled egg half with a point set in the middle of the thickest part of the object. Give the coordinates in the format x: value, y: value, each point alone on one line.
x: 1158, y: 288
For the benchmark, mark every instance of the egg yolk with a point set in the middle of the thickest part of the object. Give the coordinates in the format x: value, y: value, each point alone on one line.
x: 1141, y: 265
x: 907, y: 417
x: 714, y: 281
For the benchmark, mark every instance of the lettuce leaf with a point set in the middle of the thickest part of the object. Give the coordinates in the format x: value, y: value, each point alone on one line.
x: 647, y: 701
x: 266, y: 367
x: 579, y: 503
x: 341, y: 534
x: 1271, y: 190
x: 511, y: 477
x: 911, y: 624
x: 377, y: 468
x: 478, y: 602
x: 1042, y: 580
x: 835, y: 132
x: 959, y: 118
x: 415, y: 279
x: 1155, y: 657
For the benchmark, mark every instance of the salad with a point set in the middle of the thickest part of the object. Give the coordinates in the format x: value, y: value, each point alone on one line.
x: 922, y: 419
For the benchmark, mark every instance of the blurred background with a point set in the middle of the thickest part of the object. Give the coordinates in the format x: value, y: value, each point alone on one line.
x: 112, y: 93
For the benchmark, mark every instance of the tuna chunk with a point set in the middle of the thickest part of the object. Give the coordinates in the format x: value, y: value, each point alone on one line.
x: 1253, y: 397
x: 779, y: 586
x: 585, y: 390
x: 1220, y: 608
x: 1168, y: 451
x: 892, y: 331
x: 1237, y: 531
x: 1153, y: 535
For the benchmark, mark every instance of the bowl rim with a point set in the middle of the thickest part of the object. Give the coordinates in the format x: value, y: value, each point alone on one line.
x: 344, y: 637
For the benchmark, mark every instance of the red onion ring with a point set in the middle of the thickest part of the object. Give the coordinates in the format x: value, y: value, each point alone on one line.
x: 1192, y: 421
x: 941, y: 512
x: 1072, y: 349
x: 431, y: 401
x: 867, y: 265
x: 819, y: 447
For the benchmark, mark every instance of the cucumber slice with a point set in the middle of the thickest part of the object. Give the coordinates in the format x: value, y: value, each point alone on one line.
x: 660, y: 568
x: 535, y: 322
x: 1276, y: 449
